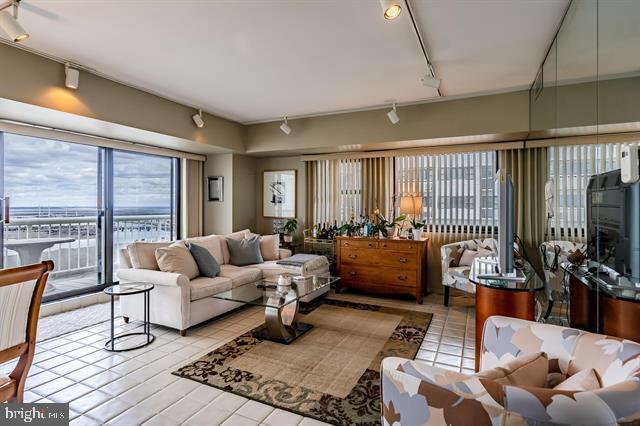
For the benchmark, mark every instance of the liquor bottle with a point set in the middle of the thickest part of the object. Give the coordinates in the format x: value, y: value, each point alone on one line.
x: 323, y: 233
x: 314, y: 231
x: 332, y: 233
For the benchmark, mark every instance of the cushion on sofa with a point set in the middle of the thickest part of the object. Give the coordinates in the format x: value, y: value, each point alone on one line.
x: 177, y: 258
x: 239, y: 235
x: 584, y: 380
x: 270, y: 268
x: 207, y: 264
x: 143, y: 254
x: 467, y: 257
x: 270, y: 247
x: 526, y: 370
x: 202, y: 287
x: 213, y: 244
x: 240, y: 276
x: 456, y: 255
x: 244, y: 251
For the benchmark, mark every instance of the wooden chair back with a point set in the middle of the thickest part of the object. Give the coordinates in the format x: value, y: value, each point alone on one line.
x: 21, y: 291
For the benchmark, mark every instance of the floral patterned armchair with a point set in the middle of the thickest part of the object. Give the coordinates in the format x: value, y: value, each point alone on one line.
x: 457, y: 276
x: 416, y: 393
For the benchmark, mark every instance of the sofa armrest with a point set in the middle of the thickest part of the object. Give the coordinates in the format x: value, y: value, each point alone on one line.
x: 154, y: 277
x: 284, y: 253
x: 417, y: 393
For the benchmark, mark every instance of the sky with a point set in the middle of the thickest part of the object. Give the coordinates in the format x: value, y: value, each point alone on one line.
x: 48, y: 173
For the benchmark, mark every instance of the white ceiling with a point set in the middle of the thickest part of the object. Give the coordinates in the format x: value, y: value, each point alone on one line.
x: 260, y: 60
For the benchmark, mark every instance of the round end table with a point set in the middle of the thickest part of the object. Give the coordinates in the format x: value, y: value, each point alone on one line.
x: 123, y: 290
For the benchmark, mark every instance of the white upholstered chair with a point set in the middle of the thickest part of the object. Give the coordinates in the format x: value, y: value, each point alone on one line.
x: 20, y: 297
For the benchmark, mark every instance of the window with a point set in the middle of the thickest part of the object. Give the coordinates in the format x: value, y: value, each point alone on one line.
x: 338, y: 190
x: 457, y: 190
x: 77, y: 204
x: 570, y: 168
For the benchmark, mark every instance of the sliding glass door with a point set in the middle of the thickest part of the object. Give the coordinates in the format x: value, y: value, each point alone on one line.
x: 77, y: 205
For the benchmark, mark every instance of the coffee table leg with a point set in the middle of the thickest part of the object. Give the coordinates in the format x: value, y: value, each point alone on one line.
x: 146, y: 316
x: 275, y: 326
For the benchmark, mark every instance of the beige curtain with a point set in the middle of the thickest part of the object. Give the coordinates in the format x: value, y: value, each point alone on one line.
x: 310, y: 189
x: 377, y: 185
x: 192, y: 198
x: 528, y: 168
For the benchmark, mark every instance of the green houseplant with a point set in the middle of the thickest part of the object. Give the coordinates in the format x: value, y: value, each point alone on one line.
x: 289, y: 229
x: 416, y: 229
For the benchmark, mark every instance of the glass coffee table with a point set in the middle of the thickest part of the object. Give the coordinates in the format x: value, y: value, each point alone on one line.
x: 280, y: 304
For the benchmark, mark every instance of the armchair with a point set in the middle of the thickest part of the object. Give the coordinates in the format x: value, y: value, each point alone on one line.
x: 456, y: 275
x: 415, y: 393
x: 553, y: 253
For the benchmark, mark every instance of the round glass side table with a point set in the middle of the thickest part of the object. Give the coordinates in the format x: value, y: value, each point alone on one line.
x: 131, y: 340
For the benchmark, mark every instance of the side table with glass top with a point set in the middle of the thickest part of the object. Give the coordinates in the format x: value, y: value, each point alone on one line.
x: 502, y: 296
x: 130, y: 340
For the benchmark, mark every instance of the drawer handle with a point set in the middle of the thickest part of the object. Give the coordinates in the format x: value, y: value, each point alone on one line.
x: 353, y: 273
x: 346, y: 243
x: 384, y: 245
x: 402, y: 277
x: 370, y: 244
x: 353, y: 256
x: 403, y: 260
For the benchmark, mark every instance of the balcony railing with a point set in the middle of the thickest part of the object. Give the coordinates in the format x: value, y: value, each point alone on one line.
x: 81, y: 254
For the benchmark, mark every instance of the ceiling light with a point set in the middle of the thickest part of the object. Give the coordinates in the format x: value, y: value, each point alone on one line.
x: 285, y: 127
x: 393, y: 115
x: 9, y: 23
x: 391, y: 9
x: 197, y: 119
x: 430, y: 81
x: 72, y: 77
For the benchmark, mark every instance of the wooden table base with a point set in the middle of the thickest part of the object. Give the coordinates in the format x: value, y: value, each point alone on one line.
x: 508, y: 303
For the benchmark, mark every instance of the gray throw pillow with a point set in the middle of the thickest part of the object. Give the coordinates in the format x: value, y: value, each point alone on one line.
x: 245, y: 252
x: 207, y: 264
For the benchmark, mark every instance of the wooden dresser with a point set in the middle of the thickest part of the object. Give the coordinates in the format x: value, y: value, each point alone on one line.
x: 383, y: 265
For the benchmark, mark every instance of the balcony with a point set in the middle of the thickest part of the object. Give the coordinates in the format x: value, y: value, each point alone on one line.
x: 78, y: 259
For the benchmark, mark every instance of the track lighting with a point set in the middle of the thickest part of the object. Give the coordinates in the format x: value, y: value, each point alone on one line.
x: 391, y: 9
x: 9, y: 23
x: 431, y: 81
x: 393, y: 115
x: 72, y: 77
x: 285, y: 127
x: 197, y: 119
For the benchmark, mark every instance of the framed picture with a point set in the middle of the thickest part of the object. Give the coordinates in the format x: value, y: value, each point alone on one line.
x: 279, y: 192
x: 215, y: 188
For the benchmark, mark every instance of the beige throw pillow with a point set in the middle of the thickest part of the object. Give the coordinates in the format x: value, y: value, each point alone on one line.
x: 212, y: 243
x: 270, y: 247
x: 526, y: 370
x: 143, y: 254
x: 583, y: 380
x: 177, y: 259
x: 467, y: 258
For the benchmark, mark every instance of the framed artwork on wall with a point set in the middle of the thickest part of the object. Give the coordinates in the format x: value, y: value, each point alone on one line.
x: 279, y: 193
x: 215, y: 188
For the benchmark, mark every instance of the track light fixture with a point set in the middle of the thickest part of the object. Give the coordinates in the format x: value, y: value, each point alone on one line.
x: 72, y: 77
x: 197, y: 119
x: 285, y: 127
x: 393, y: 115
x: 430, y: 80
x: 9, y: 22
x: 391, y: 9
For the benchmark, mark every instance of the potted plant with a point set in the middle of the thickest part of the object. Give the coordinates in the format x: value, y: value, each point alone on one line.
x: 385, y: 228
x: 416, y: 229
x: 289, y: 228
x: 348, y: 229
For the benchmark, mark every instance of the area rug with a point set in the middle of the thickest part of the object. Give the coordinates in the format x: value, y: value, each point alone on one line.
x: 332, y: 373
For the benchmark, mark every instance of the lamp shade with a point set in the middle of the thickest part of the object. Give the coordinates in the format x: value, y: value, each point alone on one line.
x: 410, y: 205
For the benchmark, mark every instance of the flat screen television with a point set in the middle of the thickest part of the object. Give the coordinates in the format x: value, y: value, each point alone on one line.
x: 613, y: 223
x: 506, y: 221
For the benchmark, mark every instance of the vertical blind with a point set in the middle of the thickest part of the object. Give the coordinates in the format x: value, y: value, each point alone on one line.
x: 334, y: 189
x: 457, y: 190
x: 570, y: 168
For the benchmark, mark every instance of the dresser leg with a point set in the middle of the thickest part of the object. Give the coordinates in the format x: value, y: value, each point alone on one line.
x: 446, y: 295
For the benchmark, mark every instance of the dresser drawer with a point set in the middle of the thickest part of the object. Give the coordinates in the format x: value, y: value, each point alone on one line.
x: 358, y: 255
x: 373, y: 275
x: 399, y: 245
x: 359, y: 243
x: 397, y: 259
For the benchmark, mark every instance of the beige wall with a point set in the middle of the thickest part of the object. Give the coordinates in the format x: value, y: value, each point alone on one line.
x: 244, y: 192
x: 265, y: 225
x: 494, y: 114
x: 35, y: 80
x: 218, y: 214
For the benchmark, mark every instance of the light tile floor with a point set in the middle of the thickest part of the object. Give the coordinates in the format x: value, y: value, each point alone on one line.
x: 137, y: 388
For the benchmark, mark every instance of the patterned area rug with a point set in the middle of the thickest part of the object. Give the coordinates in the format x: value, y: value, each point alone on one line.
x: 332, y: 373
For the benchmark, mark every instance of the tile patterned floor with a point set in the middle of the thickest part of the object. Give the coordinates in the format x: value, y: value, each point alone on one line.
x: 136, y: 387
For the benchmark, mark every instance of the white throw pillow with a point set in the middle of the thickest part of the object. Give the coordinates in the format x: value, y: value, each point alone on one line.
x: 143, y: 254
x: 270, y: 247
x: 177, y: 259
x: 212, y: 243
x: 468, y: 256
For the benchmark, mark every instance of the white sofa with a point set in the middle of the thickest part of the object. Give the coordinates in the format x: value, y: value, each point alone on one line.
x: 180, y: 303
